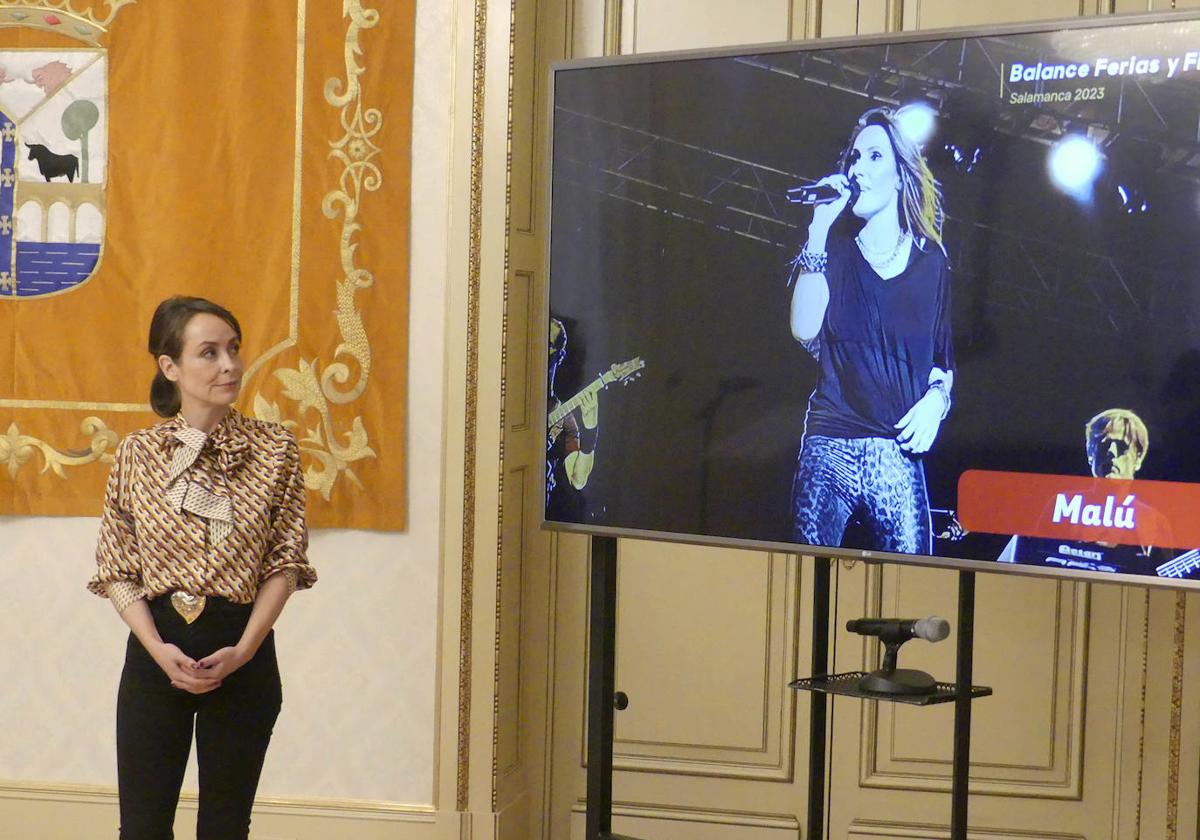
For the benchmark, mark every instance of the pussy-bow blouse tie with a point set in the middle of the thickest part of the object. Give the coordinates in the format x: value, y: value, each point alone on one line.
x: 185, y: 493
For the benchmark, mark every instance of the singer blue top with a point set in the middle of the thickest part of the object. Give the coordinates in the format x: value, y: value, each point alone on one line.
x: 879, y: 341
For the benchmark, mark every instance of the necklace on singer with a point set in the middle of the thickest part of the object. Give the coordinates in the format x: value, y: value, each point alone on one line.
x: 873, y: 257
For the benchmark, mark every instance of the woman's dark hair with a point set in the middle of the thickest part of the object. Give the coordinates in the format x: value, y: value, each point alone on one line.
x: 166, y: 339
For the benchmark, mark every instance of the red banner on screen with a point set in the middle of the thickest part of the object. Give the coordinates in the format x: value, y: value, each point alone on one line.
x: 1106, y: 510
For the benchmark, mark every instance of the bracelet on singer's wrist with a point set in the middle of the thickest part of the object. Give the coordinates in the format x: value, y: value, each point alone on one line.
x: 812, y: 262
x: 939, y: 385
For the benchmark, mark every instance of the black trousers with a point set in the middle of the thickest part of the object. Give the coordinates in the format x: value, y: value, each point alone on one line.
x: 232, y: 724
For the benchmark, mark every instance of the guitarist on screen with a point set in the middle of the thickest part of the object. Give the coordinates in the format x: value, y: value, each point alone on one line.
x: 1116, y: 441
x: 570, y: 443
x: 572, y: 429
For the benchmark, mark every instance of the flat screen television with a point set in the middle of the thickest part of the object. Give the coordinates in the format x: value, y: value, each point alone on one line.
x: 928, y: 297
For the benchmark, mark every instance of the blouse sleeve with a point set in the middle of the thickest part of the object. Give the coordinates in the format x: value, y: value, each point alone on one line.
x: 118, y: 561
x: 288, y: 546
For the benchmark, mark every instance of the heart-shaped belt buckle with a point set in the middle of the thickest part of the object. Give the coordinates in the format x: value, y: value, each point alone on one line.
x: 188, y: 606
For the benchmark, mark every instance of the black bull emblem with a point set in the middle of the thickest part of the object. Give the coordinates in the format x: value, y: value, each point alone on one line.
x: 52, y: 164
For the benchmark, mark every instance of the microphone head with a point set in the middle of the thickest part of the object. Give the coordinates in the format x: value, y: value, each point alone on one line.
x: 932, y: 629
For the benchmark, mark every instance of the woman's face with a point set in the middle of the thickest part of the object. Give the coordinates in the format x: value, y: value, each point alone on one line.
x: 873, y: 166
x: 209, y: 368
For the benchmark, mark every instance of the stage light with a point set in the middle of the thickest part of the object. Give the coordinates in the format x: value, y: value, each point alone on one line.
x: 1133, y: 165
x: 1132, y: 200
x: 966, y: 133
x: 964, y: 159
x: 917, y: 121
x: 1074, y: 165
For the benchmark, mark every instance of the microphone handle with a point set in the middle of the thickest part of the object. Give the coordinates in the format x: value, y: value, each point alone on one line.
x: 811, y: 195
x: 822, y: 194
x: 931, y: 629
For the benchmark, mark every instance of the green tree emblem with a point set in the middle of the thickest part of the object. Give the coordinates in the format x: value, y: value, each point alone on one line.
x: 78, y: 119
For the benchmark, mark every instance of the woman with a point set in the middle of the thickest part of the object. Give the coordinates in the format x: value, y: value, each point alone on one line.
x: 873, y: 307
x: 202, y: 540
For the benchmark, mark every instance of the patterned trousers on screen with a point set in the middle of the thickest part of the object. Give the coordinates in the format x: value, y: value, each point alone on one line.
x: 872, y: 479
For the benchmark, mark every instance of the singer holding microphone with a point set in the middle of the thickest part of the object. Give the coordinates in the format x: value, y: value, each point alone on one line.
x: 871, y: 304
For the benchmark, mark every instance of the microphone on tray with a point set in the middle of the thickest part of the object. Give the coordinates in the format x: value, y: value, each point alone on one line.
x: 931, y: 629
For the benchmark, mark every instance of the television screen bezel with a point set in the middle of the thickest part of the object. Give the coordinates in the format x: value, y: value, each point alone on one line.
x: 886, y: 38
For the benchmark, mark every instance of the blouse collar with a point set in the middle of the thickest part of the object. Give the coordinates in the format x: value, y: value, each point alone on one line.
x: 193, y: 485
x: 229, y: 439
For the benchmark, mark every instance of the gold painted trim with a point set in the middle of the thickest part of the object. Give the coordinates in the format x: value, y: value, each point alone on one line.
x: 1173, y: 735
x: 17, y: 449
x: 68, y: 405
x: 508, y: 160
x: 85, y: 26
x: 1141, y: 754
x: 474, y: 257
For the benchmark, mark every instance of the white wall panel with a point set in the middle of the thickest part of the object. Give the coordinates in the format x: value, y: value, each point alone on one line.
x: 586, y: 21
x: 931, y: 14
x: 654, y: 25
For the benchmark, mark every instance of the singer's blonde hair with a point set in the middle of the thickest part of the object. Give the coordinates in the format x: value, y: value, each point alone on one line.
x: 920, y: 193
x: 1120, y: 423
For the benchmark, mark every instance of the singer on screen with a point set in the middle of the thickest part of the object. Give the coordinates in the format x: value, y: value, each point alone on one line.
x: 871, y: 303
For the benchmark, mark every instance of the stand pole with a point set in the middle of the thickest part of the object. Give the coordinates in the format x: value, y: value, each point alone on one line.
x: 962, y: 706
x: 602, y: 656
x: 816, y: 724
x: 602, y: 676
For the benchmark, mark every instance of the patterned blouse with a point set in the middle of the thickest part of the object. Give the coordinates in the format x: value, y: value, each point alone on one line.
x: 210, y: 515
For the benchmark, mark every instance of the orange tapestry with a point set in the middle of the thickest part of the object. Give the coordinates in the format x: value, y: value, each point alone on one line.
x: 253, y: 153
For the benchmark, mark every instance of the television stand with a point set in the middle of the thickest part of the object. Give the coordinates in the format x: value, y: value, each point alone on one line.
x: 603, y: 697
x: 961, y: 693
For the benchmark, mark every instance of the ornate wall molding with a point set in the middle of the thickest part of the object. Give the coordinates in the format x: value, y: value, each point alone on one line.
x: 1176, y: 725
x: 508, y: 229
x: 474, y: 257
